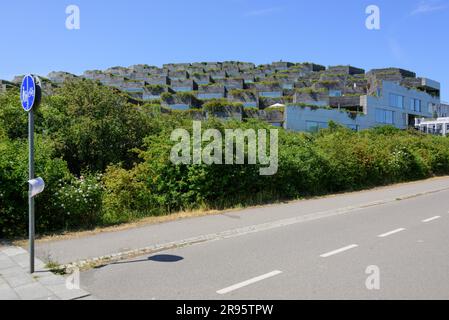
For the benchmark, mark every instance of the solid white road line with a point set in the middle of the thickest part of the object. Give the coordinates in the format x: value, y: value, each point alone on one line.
x: 352, y: 246
x: 248, y: 282
x: 391, y: 233
x: 431, y: 219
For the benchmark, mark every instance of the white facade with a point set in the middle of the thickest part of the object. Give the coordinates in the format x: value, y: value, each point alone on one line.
x: 438, y: 126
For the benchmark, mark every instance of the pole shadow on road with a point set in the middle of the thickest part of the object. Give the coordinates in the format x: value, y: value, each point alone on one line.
x: 165, y: 258
x: 156, y: 258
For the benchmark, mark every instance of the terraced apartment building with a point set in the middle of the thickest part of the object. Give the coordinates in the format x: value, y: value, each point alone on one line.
x: 297, y: 96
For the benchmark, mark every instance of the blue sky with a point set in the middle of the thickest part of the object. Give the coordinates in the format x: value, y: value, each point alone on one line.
x: 413, y: 34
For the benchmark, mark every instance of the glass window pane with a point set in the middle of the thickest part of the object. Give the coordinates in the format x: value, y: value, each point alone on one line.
x: 389, y: 117
x: 392, y: 100
x: 311, y: 126
x: 379, y: 116
x: 400, y: 102
x: 271, y: 94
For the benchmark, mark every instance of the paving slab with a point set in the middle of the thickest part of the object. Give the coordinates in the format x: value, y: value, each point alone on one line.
x: 6, y: 263
x: 33, y: 291
x: 7, y: 293
x: 13, y: 251
x: 16, y: 283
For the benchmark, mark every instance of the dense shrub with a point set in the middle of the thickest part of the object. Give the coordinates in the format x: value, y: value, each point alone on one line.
x: 99, y: 128
x: 126, y: 197
x: 13, y: 120
x: 66, y: 203
x: 79, y: 201
x: 336, y: 159
x: 14, y: 186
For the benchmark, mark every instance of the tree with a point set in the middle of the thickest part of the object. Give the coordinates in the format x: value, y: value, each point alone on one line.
x: 94, y: 125
x: 13, y: 119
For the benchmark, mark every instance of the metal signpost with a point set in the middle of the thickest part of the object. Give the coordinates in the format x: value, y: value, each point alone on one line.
x: 30, y: 96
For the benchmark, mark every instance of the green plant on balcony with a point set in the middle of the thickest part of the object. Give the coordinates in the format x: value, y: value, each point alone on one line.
x: 309, y: 90
x: 155, y: 87
x: 329, y: 83
x: 269, y: 83
x: 222, y: 105
x: 241, y: 93
x: 166, y: 96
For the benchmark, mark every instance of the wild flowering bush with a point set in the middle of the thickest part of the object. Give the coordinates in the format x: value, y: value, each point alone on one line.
x: 14, y: 186
x: 79, y: 201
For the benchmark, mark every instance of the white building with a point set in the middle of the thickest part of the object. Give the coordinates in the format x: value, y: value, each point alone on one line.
x: 439, y: 126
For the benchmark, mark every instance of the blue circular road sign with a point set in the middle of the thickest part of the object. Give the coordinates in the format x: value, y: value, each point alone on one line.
x: 28, y: 92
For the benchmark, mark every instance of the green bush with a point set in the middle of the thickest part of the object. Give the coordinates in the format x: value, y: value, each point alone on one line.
x: 334, y: 160
x: 94, y: 126
x: 126, y: 196
x: 80, y: 201
x: 14, y: 187
x: 13, y: 120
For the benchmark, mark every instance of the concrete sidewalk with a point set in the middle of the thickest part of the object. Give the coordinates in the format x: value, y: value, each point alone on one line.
x: 208, y: 227
x: 16, y: 283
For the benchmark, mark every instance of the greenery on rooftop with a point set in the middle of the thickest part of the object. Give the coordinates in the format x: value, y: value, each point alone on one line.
x: 221, y: 105
x: 240, y: 93
x: 156, y: 87
x: 310, y: 90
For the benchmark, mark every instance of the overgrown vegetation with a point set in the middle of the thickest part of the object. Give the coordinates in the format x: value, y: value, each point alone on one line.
x: 106, y: 161
x: 221, y: 105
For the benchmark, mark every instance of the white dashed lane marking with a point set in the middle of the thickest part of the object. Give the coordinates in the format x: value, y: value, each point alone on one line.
x: 332, y: 253
x: 431, y: 219
x: 249, y: 282
x: 391, y: 233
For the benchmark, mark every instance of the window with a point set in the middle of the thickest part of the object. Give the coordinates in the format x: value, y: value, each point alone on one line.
x: 250, y: 104
x: 287, y: 86
x: 206, y: 96
x: 384, y: 116
x: 150, y: 97
x: 233, y: 86
x: 137, y: 90
x: 274, y: 94
x: 182, y: 89
x: 396, y: 101
x: 415, y: 105
x: 314, y: 126
x: 179, y: 106
x: 335, y: 93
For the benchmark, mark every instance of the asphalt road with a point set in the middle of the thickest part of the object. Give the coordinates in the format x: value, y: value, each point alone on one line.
x: 404, y: 244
